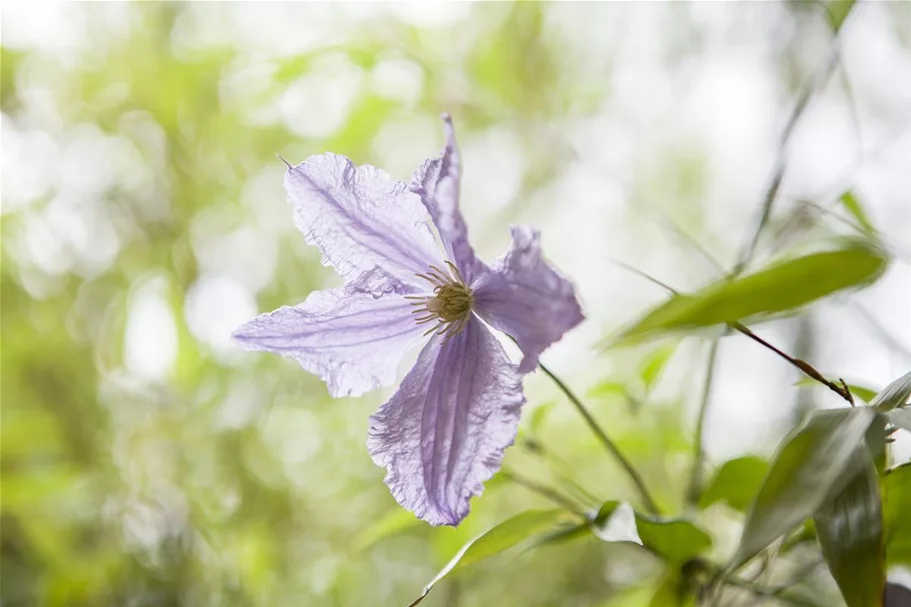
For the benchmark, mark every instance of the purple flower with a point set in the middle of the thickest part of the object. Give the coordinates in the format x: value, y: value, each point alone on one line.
x: 444, y: 431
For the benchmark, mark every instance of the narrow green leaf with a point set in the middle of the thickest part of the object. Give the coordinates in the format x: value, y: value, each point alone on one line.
x: 810, y: 464
x: 896, y: 517
x: 507, y: 534
x: 608, y: 388
x: 675, y: 540
x: 396, y: 521
x: 838, y: 12
x: 894, y: 395
x: 654, y: 364
x: 849, y: 201
x: 900, y: 417
x: 537, y: 417
x: 779, y: 288
x: 850, y: 531
x: 737, y: 482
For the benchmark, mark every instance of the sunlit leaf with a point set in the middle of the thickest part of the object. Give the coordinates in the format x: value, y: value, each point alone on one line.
x: 395, y: 521
x: 894, y: 395
x: 654, y: 364
x: 849, y: 201
x: 736, y: 482
x: 779, y: 288
x: 811, y: 463
x: 675, y: 540
x: 608, y: 388
x: 507, y: 534
x: 900, y: 417
x: 838, y: 11
x: 850, y: 531
x: 896, y: 518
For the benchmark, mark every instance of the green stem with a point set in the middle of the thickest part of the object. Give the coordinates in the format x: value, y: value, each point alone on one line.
x: 602, y: 436
x: 545, y: 492
x: 694, y: 489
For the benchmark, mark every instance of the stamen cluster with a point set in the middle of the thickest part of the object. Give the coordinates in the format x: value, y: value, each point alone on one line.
x: 449, y: 306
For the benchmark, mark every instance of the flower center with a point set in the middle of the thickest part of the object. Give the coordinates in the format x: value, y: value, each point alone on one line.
x: 450, y: 305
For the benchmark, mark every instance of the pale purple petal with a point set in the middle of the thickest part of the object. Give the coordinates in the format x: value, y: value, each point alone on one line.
x: 444, y: 432
x: 437, y: 183
x: 361, y: 219
x: 351, y: 339
x: 526, y: 298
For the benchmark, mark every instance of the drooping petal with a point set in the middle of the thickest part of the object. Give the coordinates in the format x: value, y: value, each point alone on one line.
x: 360, y: 218
x: 444, y: 432
x: 437, y: 183
x: 526, y: 298
x: 350, y: 338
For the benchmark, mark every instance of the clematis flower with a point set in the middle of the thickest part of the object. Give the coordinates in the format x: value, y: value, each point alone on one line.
x: 443, y: 433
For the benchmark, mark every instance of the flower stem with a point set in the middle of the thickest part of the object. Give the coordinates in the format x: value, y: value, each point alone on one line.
x: 544, y: 491
x: 606, y: 441
x: 694, y: 489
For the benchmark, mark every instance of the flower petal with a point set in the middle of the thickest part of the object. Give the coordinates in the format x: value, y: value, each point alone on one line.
x: 437, y: 183
x: 360, y: 218
x: 350, y: 338
x: 527, y: 299
x: 444, y: 432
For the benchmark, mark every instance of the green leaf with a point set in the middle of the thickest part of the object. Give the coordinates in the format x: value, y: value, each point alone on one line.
x: 810, y: 464
x: 850, y: 531
x: 507, y: 534
x: 538, y: 414
x: 675, y: 540
x: 608, y: 388
x: 862, y: 392
x: 849, y: 201
x: 736, y: 482
x: 894, y: 395
x: 838, y: 12
x: 896, y: 520
x: 779, y: 288
x: 654, y: 364
x: 395, y: 521
x: 672, y: 591
x: 900, y: 417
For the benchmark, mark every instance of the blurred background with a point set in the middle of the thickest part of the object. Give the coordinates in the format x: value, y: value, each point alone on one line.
x: 146, y: 460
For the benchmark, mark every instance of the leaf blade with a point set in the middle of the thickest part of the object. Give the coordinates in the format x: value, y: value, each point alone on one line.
x: 779, y: 288
x: 849, y: 527
x: 804, y: 471
x: 895, y: 395
x: 501, y: 537
x: 736, y: 482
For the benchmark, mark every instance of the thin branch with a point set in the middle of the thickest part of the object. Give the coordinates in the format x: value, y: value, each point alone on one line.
x: 771, y: 193
x: 558, y: 468
x: 602, y: 436
x: 806, y: 368
x: 544, y: 491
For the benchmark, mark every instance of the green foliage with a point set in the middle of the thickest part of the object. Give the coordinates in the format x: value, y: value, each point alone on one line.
x: 814, y: 462
x: 779, y: 288
x: 736, y: 483
x: 897, y: 522
x: 673, y: 591
x: 850, y: 531
x: 504, y: 536
x: 675, y: 540
x: 852, y: 205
